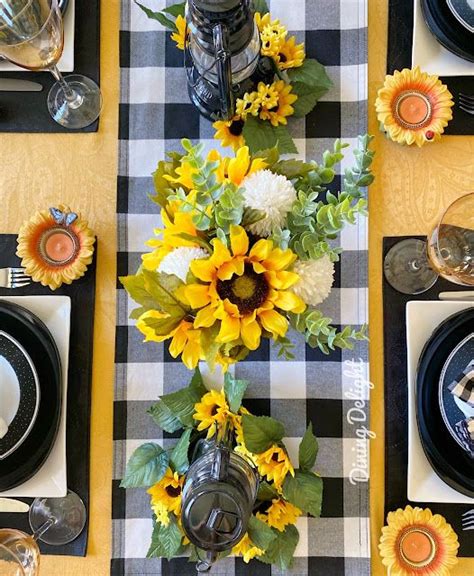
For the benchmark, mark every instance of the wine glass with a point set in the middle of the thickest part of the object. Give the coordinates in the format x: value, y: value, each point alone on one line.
x: 32, y: 37
x: 55, y: 521
x: 412, y: 266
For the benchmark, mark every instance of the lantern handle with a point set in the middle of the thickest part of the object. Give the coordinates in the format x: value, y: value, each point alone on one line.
x: 220, y: 34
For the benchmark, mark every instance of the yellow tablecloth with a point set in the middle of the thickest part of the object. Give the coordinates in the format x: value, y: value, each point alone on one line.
x: 412, y: 187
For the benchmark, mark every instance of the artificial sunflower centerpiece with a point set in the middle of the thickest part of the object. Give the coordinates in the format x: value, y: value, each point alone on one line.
x: 283, y: 492
x: 418, y: 542
x: 245, y: 250
x: 413, y: 107
x: 294, y: 85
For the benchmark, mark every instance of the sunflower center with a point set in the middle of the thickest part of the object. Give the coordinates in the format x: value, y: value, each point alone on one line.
x: 248, y: 292
x: 274, y: 109
x: 172, y: 491
x: 275, y: 457
x: 214, y: 410
x: 236, y: 128
x: 283, y: 58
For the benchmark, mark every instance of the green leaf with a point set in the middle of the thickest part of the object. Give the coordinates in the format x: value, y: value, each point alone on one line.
x: 308, y: 450
x: 176, y: 9
x: 195, y: 240
x: 181, y: 405
x: 261, y: 135
x: 137, y: 312
x: 292, y: 168
x: 147, y: 465
x: 305, y: 491
x: 266, y: 492
x: 196, y: 386
x: 165, y: 540
x: 162, y: 19
x: 260, y: 533
x: 261, y: 432
x: 308, y: 96
x: 209, y: 344
x: 162, y: 326
x: 179, y: 456
x: 251, y: 216
x: 234, y: 391
x: 312, y: 73
x: 135, y: 286
x: 270, y: 156
x: 161, y: 288
x: 281, y: 550
x: 164, y: 418
x: 260, y: 6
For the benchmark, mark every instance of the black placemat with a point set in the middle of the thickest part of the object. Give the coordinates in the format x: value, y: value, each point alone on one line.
x: 396, y: 406
x: 82, y: 294
x: 400, y: 42
x: 27, y: 111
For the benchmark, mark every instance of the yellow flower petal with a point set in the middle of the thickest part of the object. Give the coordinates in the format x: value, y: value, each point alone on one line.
x: 261, y: 249
x: 230, y: 329
x: 197, y: 295
x: 250, y: 332
x: 274, y: 322
x: 239, y: 241
x: 203, y: 270
x: 206, y: 317
x: 289, y: 302
x: 228, y: 269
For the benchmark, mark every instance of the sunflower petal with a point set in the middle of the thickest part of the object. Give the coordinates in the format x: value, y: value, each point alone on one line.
x: 228, y: 269
x: 289, y: 302
x: 197, y: 295
x: 239, y: 241
x: 261, y: 249
x: 230, y: 329
x: 274, y: 322
x: 250, y: 332
x: 203, y: 270
x: 206, y: 317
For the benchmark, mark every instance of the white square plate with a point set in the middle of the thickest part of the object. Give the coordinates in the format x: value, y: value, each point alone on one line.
x: 66, y: 62
x: 51, y: 478
x: 424, y: 485
x: 430, y: 56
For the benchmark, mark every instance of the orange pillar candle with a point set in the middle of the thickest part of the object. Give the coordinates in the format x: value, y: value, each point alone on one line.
x: 413, y: 108
x: 59, y: 246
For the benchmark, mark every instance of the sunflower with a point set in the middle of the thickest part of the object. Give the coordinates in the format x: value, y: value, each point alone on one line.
x: 166, y: 496
x: 185, y: 173
x: 278, y: 113
x: 267, y: 95
x: 247, y: 549
x: 262, y: 21
x: 249, y: 104
x: 181, y: 32
x: 414, y: 107
x: 185, y: 339
x: 279, y: 514
x: 243, y: 288
x: 236, y: 169
x: 275, y: 464
x: 211, y: 412
x: 417, y: 542
x: 230, y: 132
x: 272, y: 37
x: 41, y: 244
x: 291, y: 55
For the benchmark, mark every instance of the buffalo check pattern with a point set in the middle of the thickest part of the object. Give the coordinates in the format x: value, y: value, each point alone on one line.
x: 330, y: 391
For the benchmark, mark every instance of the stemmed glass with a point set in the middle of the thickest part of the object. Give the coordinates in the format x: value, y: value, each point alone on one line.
x: 55, y: 521
x: 32, y: 37
x: 412, y: 266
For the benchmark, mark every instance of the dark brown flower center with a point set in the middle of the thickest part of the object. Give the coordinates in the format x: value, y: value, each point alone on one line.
x: 274, y: 109
x: 214, y: 410
x: 283, y: 58
x: 172, y: 491
x: 275, y: 457
x: 236, y: 128
x: 248, y: 292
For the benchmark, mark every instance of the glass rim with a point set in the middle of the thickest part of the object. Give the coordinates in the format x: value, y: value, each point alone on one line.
x: 445, y: 212
x: 14, y: 557
x: 53, y: 6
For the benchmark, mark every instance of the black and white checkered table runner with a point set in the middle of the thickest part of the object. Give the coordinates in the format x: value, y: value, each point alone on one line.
x: 155, y: 114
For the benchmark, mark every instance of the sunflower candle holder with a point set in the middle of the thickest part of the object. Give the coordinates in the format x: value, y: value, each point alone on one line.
x: 413, y: 107
x: 417, y: 542
x: 56, y: 246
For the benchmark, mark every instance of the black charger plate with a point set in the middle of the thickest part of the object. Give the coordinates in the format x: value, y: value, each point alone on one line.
x: 448, y: 459
x: 35, y: 337
x: 447, y: 29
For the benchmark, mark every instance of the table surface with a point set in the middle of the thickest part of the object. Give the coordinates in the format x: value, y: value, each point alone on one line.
x: 412, y: 187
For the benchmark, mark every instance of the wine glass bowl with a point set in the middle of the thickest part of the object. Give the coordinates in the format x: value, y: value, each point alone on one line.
x: 19, y: 553
x: 32, y: 37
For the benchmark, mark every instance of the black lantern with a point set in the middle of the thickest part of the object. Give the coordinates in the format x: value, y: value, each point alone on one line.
x: 222, y: 55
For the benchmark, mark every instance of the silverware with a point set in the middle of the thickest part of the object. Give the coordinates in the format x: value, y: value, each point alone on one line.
x: 11, y: 505
x: 466, y: 103
x: 17, y: 85
x: 467, y: 520
x: 13, y: 278
x: 466, y: 295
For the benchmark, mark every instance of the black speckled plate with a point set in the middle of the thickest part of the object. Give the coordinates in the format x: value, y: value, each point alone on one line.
x: 19, y: 393
x: 31, y: 333
x: 447, y: 457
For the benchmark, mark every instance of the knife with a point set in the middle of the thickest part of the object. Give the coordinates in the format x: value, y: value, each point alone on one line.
x: 17, y: 85
x: 11, y: 505
x: 466, y: 295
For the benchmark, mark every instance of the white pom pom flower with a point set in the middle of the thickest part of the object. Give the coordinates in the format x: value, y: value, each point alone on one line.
x: 178, y: 261
x: 271, y: 193
x: 316, y: 279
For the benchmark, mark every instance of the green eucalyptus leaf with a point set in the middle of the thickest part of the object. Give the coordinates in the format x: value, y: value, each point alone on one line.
x: 261, y: 432
x: 305, y: 491
x: 260, y: 533
x: 179, y: 456
x: 234, y: 391
x: 165, y: 540
x: 308, y: 449
x: 147, y: 465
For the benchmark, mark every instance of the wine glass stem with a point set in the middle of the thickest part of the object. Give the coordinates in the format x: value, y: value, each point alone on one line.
x: 43, y: 528
x: 74, y: 100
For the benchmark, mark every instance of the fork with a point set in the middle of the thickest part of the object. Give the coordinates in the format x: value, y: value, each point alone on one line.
x: 468, y: 520
x: 13, y: 278
x: 466, y: 103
